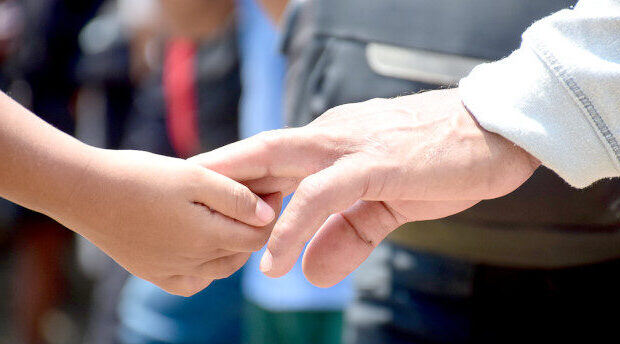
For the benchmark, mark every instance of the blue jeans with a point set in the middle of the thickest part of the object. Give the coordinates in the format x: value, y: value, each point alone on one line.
x: 148, y: 315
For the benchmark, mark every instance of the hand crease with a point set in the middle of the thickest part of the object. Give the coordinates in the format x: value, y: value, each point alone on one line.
x: 396, y: 216
x: 367, y: 241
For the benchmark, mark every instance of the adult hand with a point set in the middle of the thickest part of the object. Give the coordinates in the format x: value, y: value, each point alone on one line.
x: 362, y: 170
x: 166, y: 220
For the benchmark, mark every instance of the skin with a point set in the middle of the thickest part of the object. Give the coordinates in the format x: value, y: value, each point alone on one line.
x: 166, y: 220
x: 362, y: 170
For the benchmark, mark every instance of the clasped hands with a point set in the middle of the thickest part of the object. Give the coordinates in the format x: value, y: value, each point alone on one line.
x: 358, y: 172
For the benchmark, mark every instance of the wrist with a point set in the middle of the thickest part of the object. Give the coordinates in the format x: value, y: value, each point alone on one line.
x: 72, y: 187
x: 509, y: 165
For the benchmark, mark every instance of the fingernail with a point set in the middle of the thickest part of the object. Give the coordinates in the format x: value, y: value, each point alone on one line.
x: 264, y: 212
x: 266, y: 263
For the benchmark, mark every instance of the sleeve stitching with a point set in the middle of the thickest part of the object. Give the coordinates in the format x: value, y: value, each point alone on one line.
x: 581, y: 98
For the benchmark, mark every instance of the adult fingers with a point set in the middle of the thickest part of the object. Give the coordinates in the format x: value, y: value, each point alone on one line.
x: 348, y: 238
x: 280, y: 153
x: 329, y: 191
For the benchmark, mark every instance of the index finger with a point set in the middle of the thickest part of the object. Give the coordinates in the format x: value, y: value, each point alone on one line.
x: 348, y: 238
x: 277, y: 153
x: 327, y: 192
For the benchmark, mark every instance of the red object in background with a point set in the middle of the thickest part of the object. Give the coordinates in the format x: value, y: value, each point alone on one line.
x: 181, y: 97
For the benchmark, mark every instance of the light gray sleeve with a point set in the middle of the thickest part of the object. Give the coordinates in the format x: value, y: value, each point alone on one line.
x: 558, y: 96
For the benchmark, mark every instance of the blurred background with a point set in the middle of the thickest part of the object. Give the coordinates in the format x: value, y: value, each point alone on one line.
x: 180, y: 77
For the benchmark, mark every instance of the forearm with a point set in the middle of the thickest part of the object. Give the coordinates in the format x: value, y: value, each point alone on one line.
x: 41, y: 166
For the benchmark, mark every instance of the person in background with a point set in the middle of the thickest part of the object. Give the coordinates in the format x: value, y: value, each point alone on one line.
x: 290, y: 309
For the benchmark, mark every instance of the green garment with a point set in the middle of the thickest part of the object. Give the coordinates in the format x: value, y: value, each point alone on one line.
x: 313, y: 327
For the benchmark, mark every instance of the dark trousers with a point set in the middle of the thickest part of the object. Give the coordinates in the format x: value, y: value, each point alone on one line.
x: 403, y: 296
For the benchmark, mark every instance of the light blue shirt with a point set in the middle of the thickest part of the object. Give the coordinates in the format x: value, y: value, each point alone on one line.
x: 262, y: 74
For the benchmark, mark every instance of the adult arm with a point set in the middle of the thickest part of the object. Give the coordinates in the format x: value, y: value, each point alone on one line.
x: 166, y: 220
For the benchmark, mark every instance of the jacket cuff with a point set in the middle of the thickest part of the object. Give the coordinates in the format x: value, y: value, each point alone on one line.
x: 522, y: 100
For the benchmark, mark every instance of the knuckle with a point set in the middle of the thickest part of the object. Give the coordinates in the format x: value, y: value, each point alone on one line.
x: 224, y: 275
x: 195, y: 174
x: 195, y: 178
x: 177, y: 290
x: 190, y: 288
x: 310, y: 190
x: 348, y: 109
x: 228, y: 270
x: 271, y: 138
x: 220, y: 269
x: 186, y: 293
x: 309, y: 187
x: 179, y: 285
x: 375, y: 101
x: 337, y: 110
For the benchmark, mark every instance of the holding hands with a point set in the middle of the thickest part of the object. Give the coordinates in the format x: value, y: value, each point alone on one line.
x: 359, y: 171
